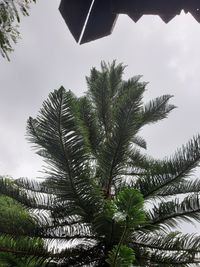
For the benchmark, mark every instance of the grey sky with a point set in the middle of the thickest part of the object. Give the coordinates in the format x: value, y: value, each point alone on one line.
x: 167, y: 55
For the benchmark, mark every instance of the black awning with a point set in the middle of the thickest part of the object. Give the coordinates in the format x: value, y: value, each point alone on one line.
x: 92, y: 19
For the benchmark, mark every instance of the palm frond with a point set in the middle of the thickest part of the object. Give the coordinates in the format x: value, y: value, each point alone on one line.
x: 183, y: 187
x: 78, y: 256
x: 33, y: 185
x: 139, y: 141
x: 170, y: 171
x: 115, y: 76
x: 139, y: 163
x: 157, y: 109
x: 126, y: 124
x: 59, y: 137
x: 100, y: 96
x: 168, y: 214
x: 88, y: 117
x: 29, y: 200
x: 172, y: 241
x: 166, y: 249
x: 161, y: 258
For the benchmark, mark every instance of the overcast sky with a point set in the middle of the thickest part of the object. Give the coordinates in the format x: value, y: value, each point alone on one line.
x: 167, y: 55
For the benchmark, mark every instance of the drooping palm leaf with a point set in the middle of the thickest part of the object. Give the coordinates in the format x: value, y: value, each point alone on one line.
x: 169, y: 213
x: 157, y: 109
x: 171, y: 171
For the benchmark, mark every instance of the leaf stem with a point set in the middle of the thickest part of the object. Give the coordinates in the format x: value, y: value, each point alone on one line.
x: 120, y: 243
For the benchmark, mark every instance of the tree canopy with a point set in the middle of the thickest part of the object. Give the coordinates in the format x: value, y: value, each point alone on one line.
x: 104, y: 201
x: 10, y: 11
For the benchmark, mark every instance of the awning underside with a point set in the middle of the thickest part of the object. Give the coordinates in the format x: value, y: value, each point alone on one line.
x: 89, y: 20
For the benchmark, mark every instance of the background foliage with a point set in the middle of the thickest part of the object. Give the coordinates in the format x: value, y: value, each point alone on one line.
x: 10, y: 11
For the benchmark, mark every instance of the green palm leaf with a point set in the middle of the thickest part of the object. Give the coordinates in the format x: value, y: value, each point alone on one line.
x: 157, y: 109
x: 168, y: 214
x: 90, y: 124
x: 126, y: 124
x: 60, y: 139
x: 183, y: 187
x: 170, y: 171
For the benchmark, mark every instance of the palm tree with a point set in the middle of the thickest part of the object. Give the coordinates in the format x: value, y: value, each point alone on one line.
x: 104, y: 202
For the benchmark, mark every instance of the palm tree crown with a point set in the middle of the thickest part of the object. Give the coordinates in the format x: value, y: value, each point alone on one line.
x: 94, y: 201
